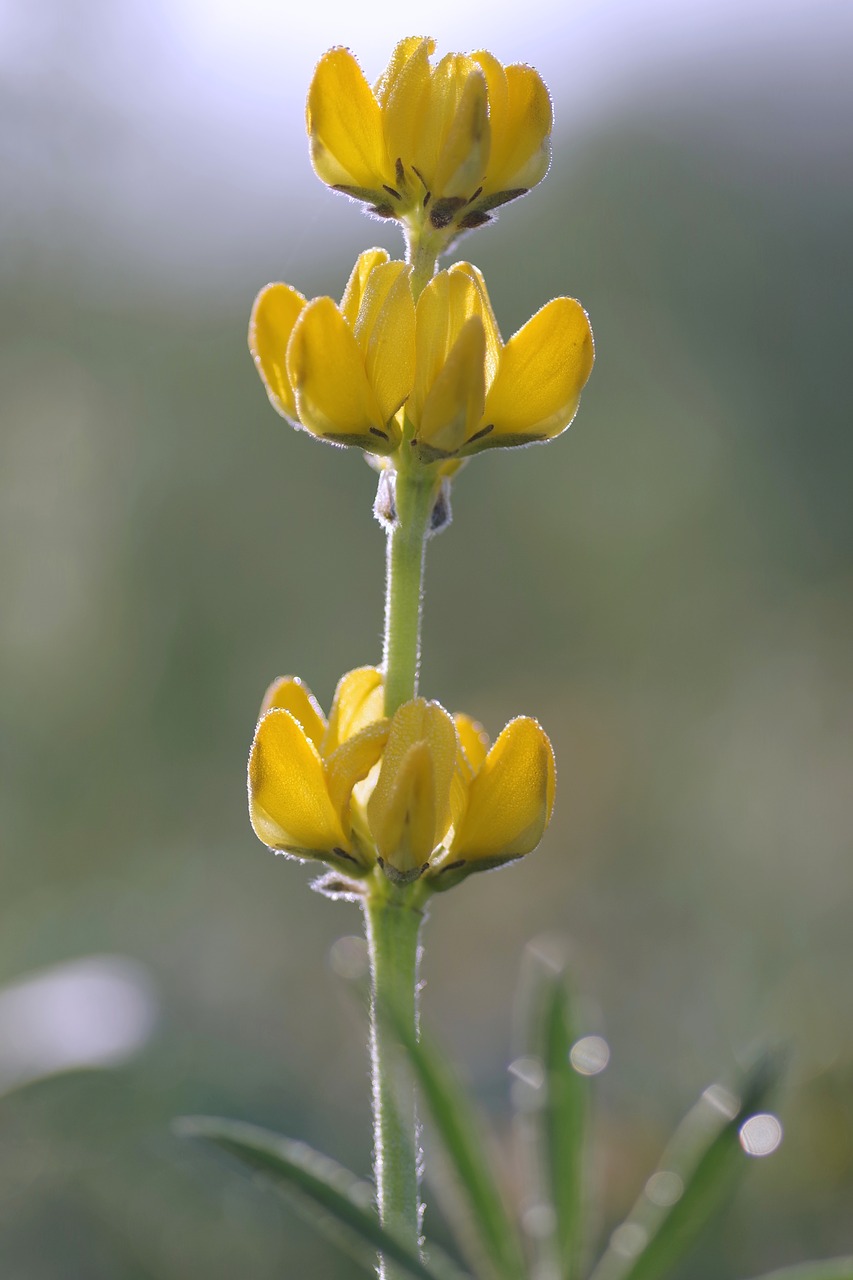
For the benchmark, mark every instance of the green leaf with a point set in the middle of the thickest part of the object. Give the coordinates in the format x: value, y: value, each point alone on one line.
x: 461, y: 1135
x: 334, y: 1200
x: 825, y: 1269
x: 561, y: 1122
x: 696, y: 1174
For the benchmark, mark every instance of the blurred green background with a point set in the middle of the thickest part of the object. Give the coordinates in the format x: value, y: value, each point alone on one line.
x: 668, y: 588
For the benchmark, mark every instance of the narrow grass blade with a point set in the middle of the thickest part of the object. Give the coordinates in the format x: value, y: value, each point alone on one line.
x: 824, y: 1269
x: 334, y: 1200
x: 459, y: 1129
x: 561, y: 1122
x: 696, y: 1174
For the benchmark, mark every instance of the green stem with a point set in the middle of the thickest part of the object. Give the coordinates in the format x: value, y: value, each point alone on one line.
x: 414, y: 499
x: 421, y: 256
x: 392, y: 925
x: 392, y: 917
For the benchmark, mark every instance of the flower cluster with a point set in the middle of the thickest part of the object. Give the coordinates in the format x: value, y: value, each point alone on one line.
x: 379, y: 367
x: 437, y: 147
x: 410, y: 367
x: 419, y: 794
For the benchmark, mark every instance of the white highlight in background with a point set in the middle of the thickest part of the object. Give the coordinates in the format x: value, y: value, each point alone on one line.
x: 760, y: 1135
x: 95, y: 1012
x: 590, y: 1055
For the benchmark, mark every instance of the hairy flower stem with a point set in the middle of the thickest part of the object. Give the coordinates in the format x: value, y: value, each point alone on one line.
x: 414, y: 499
x: 421, y: 257
x: 392, y: 916
x: 392, y: 923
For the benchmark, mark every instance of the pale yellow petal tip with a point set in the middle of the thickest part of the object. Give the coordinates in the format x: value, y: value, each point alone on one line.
x: 409, y: 45
x: 473, y: 740
x: 290, y: 693
x: 358, y: 702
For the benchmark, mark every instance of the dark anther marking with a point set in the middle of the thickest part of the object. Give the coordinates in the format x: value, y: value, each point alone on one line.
x: 391, y: 191
x: 484, y: 431
x: 452, y: 866
x: 419, y: 175
x: 427, y: 198
x: 444, y: 211
x: 400, y: 172
x: 342, y: 853
x: 474, y: 219
x: 374, y: 431
x: 472, y: 198
x: 413, y: 443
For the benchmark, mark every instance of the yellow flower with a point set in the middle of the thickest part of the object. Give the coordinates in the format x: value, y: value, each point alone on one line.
x: 509, y: 797
x: 341, y: 372
x: 437, y: 147
x: 302, y: 768
x: 472, y: 391
x: 376, y: 370
x: 440, y: 804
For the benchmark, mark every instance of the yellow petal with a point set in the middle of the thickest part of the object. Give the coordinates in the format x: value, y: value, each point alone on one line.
x: 521, y: 148
x: 453, y: 409
x: 409, y: 811
x: 403, y: 93
x: 359, y: 701
x: 450, y: 299
x: 407, y: 50
x: 496, y: 85
x: 344, y: 125
x: 289, y: 693
x: 404, y: 828
x: 353, y: 761
x: 456, y: 134
x: 385, y: 331
x: 510, y: 799
x: 276, y: 310
x: 473, y: 739
x: 333, y: 396
x: 542, y: 371
x: 357, y: 283
x: 483, y: 305
x: 289, y: 802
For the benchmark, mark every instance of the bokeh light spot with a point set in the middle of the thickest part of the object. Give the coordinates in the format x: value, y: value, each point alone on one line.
x: 539, y: 1221
x: 348, y: 958
x: 722, y: 1100
x: 664, y: 1188
x: 590, y: 1055
x: 629, y: 1239
x: 527, y: 1090
x: 760, y: 1135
